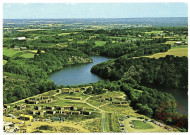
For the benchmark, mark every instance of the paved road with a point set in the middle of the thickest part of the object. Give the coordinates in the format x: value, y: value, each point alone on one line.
x: 103, y: 123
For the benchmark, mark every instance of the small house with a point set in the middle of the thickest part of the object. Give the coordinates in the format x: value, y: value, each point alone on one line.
x: 38, y: 107
x: 21, y: 38
x: 77, y: 90
x: 178, y: 43
x: 124, y: 102
x: 116, y: 102
x: 67, y: 107
x: 71, y: 91
x: 74, y: 108
x: 32, y: 102
x: 86, y: 113
x: 4, y: 110
x: 82, y: 109
x: 51, y: 112
x: 59, y: 91
x: 50, y: 107
x: 41, y: 113
x: 32, y: 98
x: 60, y: 111
x: 75, y: 112
x: 7, y: 106
x: 65, y: 90
x: 34, y: 112
x: 23, y: 48
x: 66, y: 112
x: 60, y: 108
x: 20, y: 107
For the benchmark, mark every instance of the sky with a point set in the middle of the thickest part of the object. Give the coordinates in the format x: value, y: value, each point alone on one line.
x: 93, y: 10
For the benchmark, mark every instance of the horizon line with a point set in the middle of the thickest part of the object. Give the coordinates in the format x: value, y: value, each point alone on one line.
x: 97, y: 18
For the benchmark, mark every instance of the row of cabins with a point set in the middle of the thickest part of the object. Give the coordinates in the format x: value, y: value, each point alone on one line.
x: 39, y: 100
x: 68, y: 91
x: 39, y: 110
x: 17, y: 106
x: 114, y: 99
x: 72, y: 90
x: 121, y: 103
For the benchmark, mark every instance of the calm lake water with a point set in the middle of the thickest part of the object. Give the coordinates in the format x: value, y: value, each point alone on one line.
x: 77, y: 74
x: 80, y: 74
x: 181, y: 98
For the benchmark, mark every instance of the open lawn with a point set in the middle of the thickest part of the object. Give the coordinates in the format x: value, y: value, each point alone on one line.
x: 176, y: 52
x: 141, y: 125
x: 10, y: 52
x: 62, y: 34
x: 154, y: 32
x: 151, y: 127
x: 25, y: 30
x: 28, y: 55
x: 100, y: 43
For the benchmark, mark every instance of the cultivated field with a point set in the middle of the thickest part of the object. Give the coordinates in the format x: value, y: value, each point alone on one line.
x: 176, y: 52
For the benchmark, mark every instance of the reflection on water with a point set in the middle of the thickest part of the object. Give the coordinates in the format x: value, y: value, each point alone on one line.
x: 77, y: 74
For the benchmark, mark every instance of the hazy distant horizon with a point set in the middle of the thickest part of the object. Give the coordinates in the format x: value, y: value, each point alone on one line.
x: 88, y: 18
x: 93, y: 10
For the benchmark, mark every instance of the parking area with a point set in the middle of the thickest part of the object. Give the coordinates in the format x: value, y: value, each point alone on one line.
x: 127, y: 125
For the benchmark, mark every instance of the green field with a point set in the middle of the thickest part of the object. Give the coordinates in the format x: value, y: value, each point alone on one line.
x: 154, y: 32
x: 4, y: 62
x: 100, y: 43
x: 141, y: 125
x: 10, y: 52
x: 176, y: 52
x: 18, y: 53
x: 28, y: 55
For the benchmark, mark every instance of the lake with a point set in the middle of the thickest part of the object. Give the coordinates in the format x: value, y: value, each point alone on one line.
x: 78, y: 73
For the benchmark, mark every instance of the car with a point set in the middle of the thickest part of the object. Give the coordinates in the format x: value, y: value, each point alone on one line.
x: 121, y: 125
x: 122, y: 129
x: 22, y: 122
x: 130, y: 122
x: 140, y: 117
x: 152, y: 121
x: 127, y: 116
x: 30, y: 124
x: 121, y: 119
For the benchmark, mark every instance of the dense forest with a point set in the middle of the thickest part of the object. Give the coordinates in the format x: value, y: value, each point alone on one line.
x: 29, y: 76
x: 169, y: 72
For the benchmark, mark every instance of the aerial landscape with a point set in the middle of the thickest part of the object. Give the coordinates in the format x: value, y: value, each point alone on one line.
x: 84, y: 73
